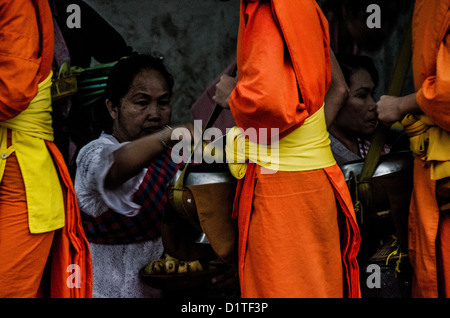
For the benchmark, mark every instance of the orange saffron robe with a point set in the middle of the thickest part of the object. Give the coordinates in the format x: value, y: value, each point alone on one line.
x: 431, y: 65
x: 26, y: 56
x: 286, y: 231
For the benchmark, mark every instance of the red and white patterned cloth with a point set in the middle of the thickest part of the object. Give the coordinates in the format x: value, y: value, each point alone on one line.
x: 364, y: 145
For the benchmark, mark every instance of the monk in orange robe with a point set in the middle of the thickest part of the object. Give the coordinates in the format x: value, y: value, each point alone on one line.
x: 298, y: 235
x: 43, y: 249
x: 426, y: 118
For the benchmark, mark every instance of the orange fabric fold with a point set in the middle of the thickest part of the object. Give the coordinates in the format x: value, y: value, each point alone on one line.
x: 26, y: 52
x: 18, y: 246
x: 70, y: 246
x: 431, y: 65
x: 26, y: 55
x: 65, y: 251
x: 349, y: 231
x: 431, y: 59
x: 283, y: 64
x: 292, y: 234
x: 423, y: 223
x: 317, y: 248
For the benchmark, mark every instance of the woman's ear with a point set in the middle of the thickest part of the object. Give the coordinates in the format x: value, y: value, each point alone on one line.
x: 112, y: 109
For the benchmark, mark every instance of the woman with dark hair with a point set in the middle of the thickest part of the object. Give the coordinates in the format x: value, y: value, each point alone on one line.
x: 121, y: 177
x: 356, y: 121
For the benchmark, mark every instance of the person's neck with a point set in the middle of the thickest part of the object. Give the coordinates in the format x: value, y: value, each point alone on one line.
x: 116, y: 134
x: 350, y: 142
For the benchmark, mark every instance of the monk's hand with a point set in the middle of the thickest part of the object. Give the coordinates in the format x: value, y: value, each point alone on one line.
x: 223, y: 90
x: 389, y: 110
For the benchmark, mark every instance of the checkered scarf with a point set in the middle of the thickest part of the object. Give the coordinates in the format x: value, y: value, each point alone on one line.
x: 114, y: 228
x: 364, y: 145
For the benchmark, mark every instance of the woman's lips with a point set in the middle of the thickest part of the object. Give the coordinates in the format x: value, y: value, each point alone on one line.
x: 152, y: 130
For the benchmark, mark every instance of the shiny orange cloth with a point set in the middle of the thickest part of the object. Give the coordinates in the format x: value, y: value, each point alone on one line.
x: 298, y: 259
x: 271, y: 77
x: 431, y: 65
x: 70, y: 245
x: 423, y: 224
x: 431, y: 59
x: 294, y: 227
x: 289, y: 248
x: 24, y: 255
x: 26, y: 55
x: 29, y: 55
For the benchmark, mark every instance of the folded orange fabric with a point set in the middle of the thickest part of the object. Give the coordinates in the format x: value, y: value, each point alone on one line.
x: 284, y: 72
x: 24, y: 255
x: 431, y: 64
x: 26, y: 47
x: 71, y: 264
x: 431, y: 59
x: 301, y: 268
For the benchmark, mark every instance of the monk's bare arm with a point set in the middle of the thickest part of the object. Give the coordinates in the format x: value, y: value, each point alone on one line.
x: 337, y: 93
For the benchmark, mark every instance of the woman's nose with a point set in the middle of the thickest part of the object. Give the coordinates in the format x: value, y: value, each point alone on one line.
x: 372, y: 104
x: 153, y: 111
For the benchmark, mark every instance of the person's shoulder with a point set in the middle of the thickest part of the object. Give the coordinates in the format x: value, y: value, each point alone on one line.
x: 96, y: 146
x: 103, y: 140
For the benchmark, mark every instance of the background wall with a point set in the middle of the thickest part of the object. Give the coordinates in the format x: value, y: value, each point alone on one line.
x: 197, y: 39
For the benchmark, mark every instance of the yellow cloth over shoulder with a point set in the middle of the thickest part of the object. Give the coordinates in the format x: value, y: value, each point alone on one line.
x: 306, y: 148
x: 30, y: 129
x: 430, y: 143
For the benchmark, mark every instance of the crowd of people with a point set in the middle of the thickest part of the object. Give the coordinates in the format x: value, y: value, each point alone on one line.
x: 296, y: 224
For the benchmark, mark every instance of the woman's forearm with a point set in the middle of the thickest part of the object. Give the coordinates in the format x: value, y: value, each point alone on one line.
x: 130, y: 159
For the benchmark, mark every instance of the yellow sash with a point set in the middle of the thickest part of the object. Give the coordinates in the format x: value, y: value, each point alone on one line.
x: 306, y: 148
x: 30, y: 129
x: 430, y: 143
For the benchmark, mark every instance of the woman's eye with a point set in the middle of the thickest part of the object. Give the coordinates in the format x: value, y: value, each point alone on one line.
x: 142, y: 103
x: 362, y: 96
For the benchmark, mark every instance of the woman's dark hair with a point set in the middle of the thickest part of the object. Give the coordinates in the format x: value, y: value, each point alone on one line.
x: 126, y: 69
x: 118, y: 84
x: 349, y: 63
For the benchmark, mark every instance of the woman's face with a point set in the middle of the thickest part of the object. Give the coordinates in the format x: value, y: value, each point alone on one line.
x: 358, y: 115
x: 144, y: 109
